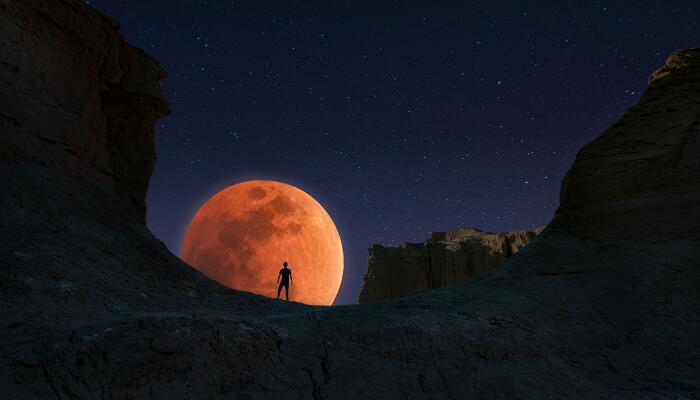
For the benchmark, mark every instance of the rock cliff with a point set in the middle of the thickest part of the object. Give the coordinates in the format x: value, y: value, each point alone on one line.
x: 74, y: 96
x: 636, y: 180
x: 444, y: 259
x: 603, y: 304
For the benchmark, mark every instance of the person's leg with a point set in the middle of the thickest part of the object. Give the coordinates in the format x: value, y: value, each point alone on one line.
x: 286, y: 291
x: 279, y: 289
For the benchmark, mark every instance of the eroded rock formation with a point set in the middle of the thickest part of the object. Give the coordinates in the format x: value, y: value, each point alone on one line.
x: 444, y: 259
x: 637, y: 179
x: 74, y: 96
x: 93, y: 306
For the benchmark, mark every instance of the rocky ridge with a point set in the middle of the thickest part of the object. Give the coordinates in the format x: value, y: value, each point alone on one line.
x: 445, y: 258
x: 603, y: 304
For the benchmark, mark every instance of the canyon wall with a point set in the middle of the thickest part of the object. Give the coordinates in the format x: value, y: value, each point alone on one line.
x: 639, y: 177
x: 444, y: 259
x: 76, y: 97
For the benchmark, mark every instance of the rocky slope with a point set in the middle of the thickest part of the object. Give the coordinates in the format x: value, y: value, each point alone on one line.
x: 444, y: 259
x: 604, y: 304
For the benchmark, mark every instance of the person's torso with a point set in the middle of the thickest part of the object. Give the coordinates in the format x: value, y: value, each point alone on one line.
x: 285, y: 272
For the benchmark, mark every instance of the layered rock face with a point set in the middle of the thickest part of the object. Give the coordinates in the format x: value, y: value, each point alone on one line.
x: 639, y: 178
x: 77, y: 113
x: 75, y: 96
x: 444, y: 259
x: 92, y: 306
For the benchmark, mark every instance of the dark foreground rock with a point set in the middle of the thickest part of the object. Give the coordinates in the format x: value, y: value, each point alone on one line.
x: 604, y: 304
x: 444, y: 259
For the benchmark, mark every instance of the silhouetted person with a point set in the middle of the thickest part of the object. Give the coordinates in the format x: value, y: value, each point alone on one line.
x: 284, y: 279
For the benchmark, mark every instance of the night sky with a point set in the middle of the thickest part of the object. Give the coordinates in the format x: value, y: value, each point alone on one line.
x: 400, y: 118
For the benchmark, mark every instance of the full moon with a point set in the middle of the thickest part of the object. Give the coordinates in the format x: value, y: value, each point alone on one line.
x: 241, y: 236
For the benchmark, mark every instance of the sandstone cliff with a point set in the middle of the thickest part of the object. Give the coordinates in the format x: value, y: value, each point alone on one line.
x: 74, y: 96
x: 603, y: 304
x: 639, y: 178
x: 444, y: 259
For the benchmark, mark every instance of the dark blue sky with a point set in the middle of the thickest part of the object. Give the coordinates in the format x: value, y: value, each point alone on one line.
x: 400, y: 118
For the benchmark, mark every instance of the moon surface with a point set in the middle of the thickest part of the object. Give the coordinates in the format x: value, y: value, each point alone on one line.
x: 241, y: 236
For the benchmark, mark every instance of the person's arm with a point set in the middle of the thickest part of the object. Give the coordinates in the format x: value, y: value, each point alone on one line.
x: 290, y: 276
x: 279, y: 276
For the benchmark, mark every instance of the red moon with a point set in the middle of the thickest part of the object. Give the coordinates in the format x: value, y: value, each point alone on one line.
x: 241, y: 236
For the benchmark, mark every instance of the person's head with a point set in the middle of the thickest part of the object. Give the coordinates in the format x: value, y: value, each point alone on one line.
x: 284, y: 264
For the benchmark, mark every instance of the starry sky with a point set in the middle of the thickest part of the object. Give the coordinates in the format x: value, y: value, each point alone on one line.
x: 399, y: 117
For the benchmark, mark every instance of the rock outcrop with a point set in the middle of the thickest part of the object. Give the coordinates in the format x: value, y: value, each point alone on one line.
x: 75, y: 96
x: 93, y: 306
x: 639, y: 178
x: 444, y: 259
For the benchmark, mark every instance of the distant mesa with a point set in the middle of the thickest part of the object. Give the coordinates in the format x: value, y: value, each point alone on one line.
x: 444, y: 259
